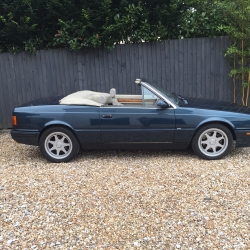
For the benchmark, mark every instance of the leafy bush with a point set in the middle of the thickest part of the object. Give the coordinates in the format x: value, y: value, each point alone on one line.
x: 30, y: 25
x: 238, y: 53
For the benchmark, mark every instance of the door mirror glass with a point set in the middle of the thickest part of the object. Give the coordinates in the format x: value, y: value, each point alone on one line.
x: 162, y: 104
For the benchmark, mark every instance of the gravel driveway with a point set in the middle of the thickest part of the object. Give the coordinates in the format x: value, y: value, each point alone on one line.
x: 123, y: 200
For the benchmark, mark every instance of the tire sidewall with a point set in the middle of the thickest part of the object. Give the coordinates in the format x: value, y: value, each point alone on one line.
x: 195, y: 141
x: 75, y: 144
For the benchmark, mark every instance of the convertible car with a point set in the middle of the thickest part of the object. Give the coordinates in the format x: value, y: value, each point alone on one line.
x: 155, y: 119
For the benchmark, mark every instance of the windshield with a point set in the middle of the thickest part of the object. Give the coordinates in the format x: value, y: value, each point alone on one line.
x: 173, y: 97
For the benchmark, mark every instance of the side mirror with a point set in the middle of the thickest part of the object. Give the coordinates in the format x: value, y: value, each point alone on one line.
x: 162, y: 104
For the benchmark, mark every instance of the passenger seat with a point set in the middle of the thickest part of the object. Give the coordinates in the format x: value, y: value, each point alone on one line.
x: 114, y: 100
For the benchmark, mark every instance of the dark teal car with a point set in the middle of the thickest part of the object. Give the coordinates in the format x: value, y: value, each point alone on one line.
x: 155, y: 119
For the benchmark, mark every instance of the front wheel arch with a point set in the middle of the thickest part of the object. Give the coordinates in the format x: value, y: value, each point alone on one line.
x: 212, y: 141
x: 227, y: 125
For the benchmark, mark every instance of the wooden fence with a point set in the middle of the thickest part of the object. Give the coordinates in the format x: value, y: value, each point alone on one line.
x: 191, y: 67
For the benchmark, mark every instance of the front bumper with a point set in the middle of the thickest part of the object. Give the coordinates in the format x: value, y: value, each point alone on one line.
x: 243, y: 140
x: 25, y: 137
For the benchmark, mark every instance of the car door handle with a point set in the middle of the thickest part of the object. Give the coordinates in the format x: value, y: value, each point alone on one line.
x: 107, y: 116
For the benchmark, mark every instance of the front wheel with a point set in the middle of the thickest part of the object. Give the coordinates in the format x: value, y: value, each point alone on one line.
x: 212, y: 142
x: 58, y: 144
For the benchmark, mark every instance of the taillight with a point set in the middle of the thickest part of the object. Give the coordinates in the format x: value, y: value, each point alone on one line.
x: 14, y: 123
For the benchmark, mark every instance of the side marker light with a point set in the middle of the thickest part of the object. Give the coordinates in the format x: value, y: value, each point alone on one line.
x: 14, y: 123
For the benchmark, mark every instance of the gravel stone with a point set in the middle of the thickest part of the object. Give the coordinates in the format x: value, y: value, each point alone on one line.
x: 122, y: 199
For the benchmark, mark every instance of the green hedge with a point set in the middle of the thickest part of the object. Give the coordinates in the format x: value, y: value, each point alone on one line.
x: 30, y: 25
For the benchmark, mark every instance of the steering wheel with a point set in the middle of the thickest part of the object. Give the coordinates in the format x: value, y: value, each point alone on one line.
x: 155, y: 102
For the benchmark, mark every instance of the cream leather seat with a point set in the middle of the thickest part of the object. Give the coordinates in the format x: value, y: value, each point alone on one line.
x: 113, y: 98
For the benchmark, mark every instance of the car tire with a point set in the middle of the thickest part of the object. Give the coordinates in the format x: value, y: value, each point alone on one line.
x: 58, y: 144
x: 212, y: 141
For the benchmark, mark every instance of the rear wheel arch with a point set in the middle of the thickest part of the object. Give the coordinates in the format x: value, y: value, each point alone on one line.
x: 59, y: 143
x: 57, y: 125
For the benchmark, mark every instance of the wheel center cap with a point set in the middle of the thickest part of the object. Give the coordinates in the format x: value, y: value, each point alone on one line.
x: 59, y: 145
x: 212, y: 141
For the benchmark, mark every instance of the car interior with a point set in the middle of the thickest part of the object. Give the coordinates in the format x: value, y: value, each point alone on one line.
x: 92, y: 98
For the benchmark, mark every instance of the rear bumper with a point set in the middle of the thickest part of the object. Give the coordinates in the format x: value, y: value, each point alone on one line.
x: 25, y: 137
x: 243, y: 140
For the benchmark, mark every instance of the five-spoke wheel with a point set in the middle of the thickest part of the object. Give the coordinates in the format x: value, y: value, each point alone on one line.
x: 58, y: 144
x: 212, y: 141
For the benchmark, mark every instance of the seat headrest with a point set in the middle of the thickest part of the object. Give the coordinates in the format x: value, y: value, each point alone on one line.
x: 112, y: 92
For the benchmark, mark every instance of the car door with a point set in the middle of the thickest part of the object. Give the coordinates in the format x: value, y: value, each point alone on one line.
x: 145, y: 123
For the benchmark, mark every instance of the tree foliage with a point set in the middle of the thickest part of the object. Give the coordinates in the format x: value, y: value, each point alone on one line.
x: 203, y: 19
x: 30, y: 25
x: 238, y: 12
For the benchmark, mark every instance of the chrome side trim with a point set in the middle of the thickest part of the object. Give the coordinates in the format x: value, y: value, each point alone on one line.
x: 139, y: 143
x: 110, y: 106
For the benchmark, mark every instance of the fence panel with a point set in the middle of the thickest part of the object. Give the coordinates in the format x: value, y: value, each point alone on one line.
x: 191, y: 67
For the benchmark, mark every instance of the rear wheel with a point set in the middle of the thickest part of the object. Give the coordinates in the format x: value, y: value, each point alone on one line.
x: 212, y: 141
x: 58, y: 144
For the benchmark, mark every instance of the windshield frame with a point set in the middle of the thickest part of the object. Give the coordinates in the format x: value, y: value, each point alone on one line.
x: 167, y: 97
